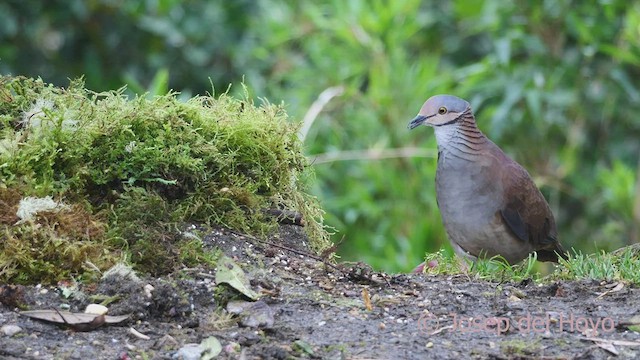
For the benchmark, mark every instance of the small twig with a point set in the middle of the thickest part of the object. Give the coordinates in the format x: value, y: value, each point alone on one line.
x: 93, y: 266
x: 317, y: 106
x: 439, y: 330
x: 372, y: 154
x: 611, y: 341
x: 193, y: 269
x: 635, y: 230
x: 295, y: 251
x: 286, y: 216
x: 332, y: 249
x: 138, y: 334
x: 205, y: 275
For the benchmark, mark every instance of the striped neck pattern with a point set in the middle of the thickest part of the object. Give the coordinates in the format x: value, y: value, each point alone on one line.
x: 460, y: 139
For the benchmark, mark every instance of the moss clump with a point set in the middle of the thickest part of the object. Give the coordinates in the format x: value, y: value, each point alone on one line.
x: 56, y: 244
x: 139, y: 168
x: 518, y: 347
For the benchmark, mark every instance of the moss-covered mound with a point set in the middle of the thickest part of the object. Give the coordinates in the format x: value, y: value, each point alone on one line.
x: 89, y: 178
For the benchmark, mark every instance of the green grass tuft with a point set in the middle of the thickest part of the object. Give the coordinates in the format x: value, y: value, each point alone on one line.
x: 140, y: 168
x: 491, y: 269
x: 620, y: 265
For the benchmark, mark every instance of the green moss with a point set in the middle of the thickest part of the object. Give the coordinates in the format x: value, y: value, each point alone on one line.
x: 142, y: 167
x: 54, y: 246
x: 192, y: 253
x: 519, y: 347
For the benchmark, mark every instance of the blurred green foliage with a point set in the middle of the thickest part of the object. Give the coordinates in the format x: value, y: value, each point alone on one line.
x: 552, y: 82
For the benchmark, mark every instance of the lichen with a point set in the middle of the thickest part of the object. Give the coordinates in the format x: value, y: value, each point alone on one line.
x: 30, y: 206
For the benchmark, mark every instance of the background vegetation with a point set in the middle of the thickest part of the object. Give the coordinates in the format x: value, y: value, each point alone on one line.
x: 554, y: 83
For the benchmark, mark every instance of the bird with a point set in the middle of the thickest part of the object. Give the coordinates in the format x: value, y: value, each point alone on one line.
x: 488, y: 203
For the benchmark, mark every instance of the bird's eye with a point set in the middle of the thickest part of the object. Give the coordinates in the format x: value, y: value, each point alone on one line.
x: 442, y: 110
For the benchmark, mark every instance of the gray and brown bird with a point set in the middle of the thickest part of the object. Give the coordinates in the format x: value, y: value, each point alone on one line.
x: 488, y: 202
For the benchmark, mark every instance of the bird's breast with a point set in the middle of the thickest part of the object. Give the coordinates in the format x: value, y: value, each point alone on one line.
x: 468, y: 198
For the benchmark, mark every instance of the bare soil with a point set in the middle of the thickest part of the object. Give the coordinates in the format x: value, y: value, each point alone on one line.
x: 320, y: 312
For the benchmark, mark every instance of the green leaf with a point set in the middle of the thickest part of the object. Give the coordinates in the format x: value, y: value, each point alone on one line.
x: 212, y: 348
x: 303, y: 347
x: 230, y: 273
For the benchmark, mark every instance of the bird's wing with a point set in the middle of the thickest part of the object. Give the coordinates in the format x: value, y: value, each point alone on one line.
x: 525, y: 209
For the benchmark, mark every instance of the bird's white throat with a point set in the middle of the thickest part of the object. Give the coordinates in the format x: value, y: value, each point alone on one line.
x: 445, y: 135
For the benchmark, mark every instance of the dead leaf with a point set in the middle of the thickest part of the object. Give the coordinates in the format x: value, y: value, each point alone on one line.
x: 613, y: 342
x: 617, y: 287
x: 228, y: 272
x: 76, y: 321
x: 610, y: 345
x: 607, y: 346
x: 367, y: 299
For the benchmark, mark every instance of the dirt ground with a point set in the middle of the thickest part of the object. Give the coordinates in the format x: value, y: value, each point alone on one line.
x: 309, y: 310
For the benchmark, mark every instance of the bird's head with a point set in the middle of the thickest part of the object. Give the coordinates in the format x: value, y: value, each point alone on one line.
x: 440, y: 110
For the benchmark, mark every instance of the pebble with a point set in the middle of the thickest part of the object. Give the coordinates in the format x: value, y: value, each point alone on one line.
x: 514, y: 298
x: 96, y: 309
x: 148, y: 290
x: 253, y: 314
x: 232, y: 348
x: 10, y: 330
x: 189, y: 352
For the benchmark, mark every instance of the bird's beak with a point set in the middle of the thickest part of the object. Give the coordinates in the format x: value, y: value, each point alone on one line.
x: 417, y: 121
